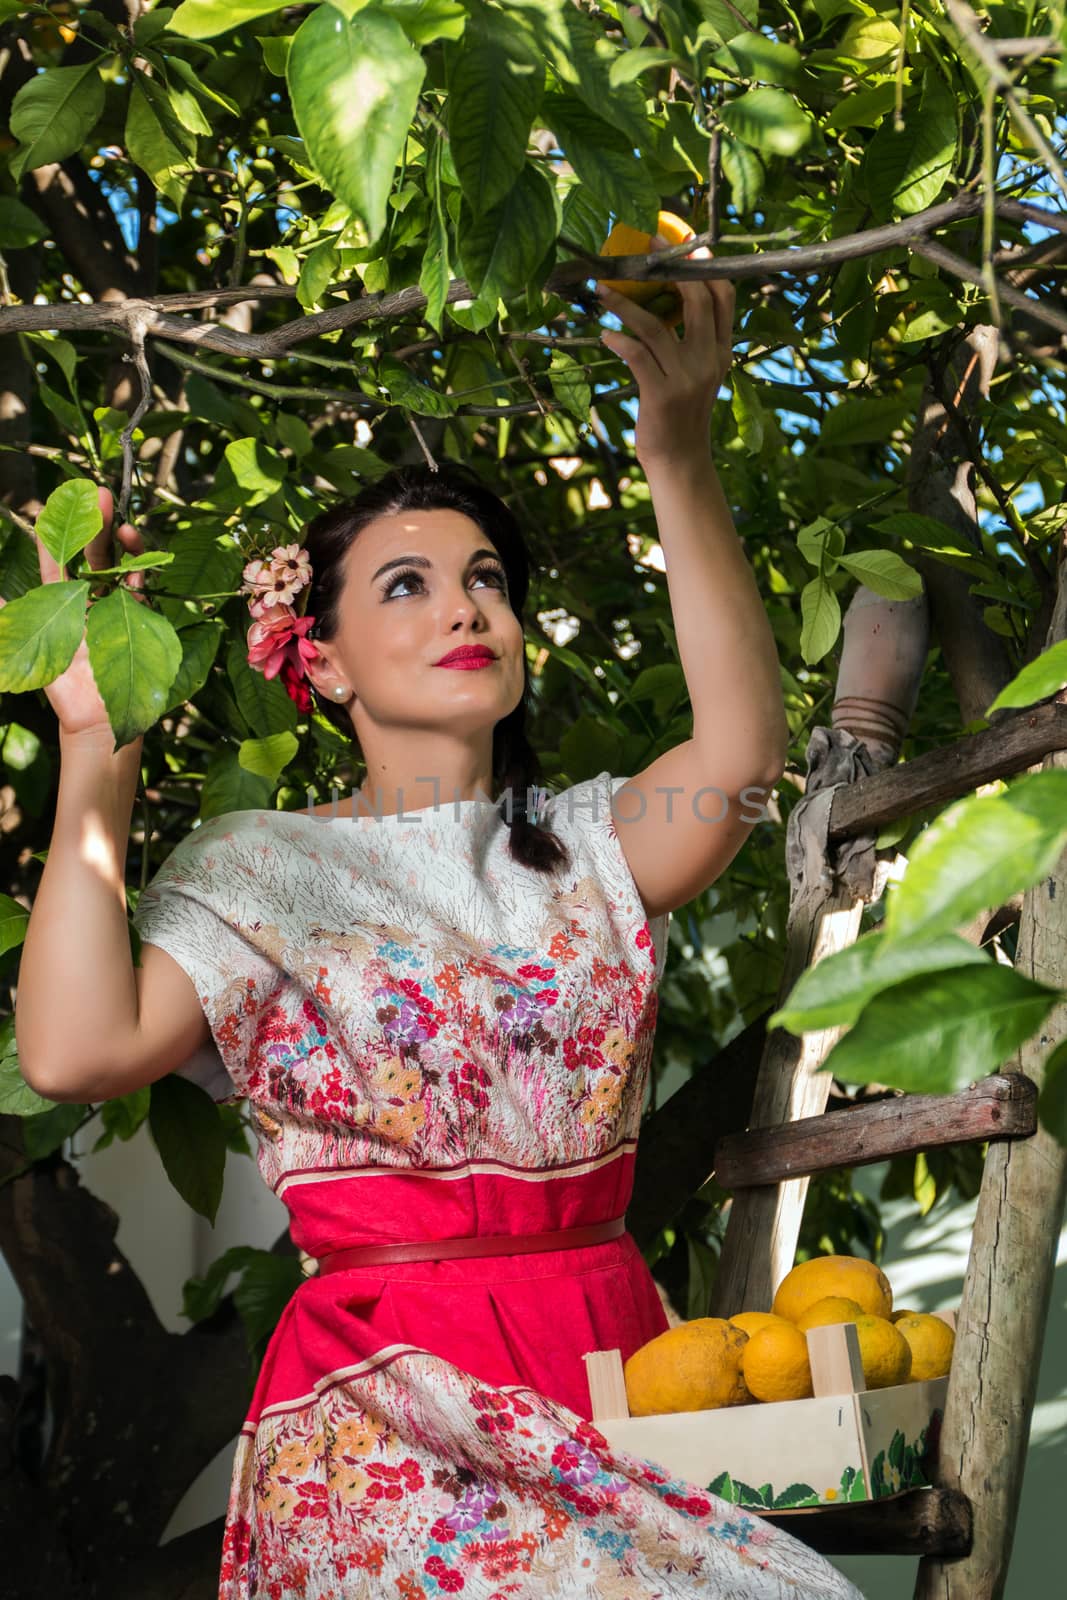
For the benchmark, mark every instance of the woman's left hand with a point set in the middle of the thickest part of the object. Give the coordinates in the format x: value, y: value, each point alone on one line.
x: 678, y: 379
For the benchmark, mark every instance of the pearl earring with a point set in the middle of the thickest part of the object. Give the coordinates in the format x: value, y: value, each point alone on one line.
x: 339, y: 692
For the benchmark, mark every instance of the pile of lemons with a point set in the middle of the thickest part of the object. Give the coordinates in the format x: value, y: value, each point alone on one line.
x: 763, y: 1355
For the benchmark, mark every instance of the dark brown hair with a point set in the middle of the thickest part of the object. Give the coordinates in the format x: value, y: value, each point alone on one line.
x: 456, y: 487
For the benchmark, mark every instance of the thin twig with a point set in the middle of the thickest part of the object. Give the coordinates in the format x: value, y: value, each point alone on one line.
x: 423, y: 446
x: 137, y: 336
x: 971, y: 274
x: 967, y: 24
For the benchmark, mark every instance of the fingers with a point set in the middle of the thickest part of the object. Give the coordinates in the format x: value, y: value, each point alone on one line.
x: 133, y: 544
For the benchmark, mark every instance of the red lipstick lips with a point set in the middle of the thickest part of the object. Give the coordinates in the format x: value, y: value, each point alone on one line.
x: 467, y: 656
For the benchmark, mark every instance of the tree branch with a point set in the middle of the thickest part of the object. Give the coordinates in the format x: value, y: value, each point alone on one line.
x: 159, y: 322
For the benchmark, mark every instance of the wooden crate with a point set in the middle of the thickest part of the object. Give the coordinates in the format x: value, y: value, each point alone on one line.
x: 846, y: 1444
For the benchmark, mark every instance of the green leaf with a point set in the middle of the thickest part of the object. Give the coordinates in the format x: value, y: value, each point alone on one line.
x: 570, y: 384
x: 938, y: 1032
x: 406, y: 390
x: 589, y: 747
x: 318, y: 271
x: 753, y: 55
x: 582, y: 59
x: 978, y: 853
x: 191, y: 1141
x: 201, y: 1296
x: 262, y: 701
x: 821, y: 543
x: 747, y: 411
x: 39, y: 633
x: 268, y: 757
x: 604, y: 161
x: 885, y: 573
x: 66, y: 412
x: 45, y: 1132
x: 907, y: 169
x: 864, y: 108
x: 821, y: 615
x: 770, y: 120
x: 53, y: 114
x: 863, y: 420
x: 259, y: 470
x: 868, y: 39
x: 70, y: 519
x: 435, y: 273
x: 502, y: 250
x: 135, y: 655
x: 228, y: 786
x: 19, y: 226
x: 17, y: 1099
x: 494, y: 91
x: 156, y: 140
x: 586, y: 218
x: 58, y: 350
x: 123, y: 1116
x: 1038, y: 679
x: 275, y: 48
x: 632, y: 63
x: 426, y: 20
x: 267, y: 1285
x: 354, y: 86
x: 14, y: 920
x: 1052, y: 1101
x: 203, y: 19
x: 744, y: 172
x: 926, y: 532
x: 834, y: 991
x: 200, y: 645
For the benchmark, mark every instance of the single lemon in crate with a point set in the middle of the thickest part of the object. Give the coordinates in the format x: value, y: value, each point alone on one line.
x: 695, y: 1366
x: 661, y: 298
x: 852, y: 1277
x: 932, y: 1343
x: 884, y: 1352
x: 751, y: 1322
x: 834, y: 1308
x: 775, y: 1364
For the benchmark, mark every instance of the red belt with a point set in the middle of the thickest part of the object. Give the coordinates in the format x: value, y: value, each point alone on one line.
x: 486, y: 1244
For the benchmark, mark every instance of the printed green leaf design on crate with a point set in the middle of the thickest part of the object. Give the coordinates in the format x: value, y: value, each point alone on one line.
x: 797, y: 1494
x: 852, y: 1485
x: 901, y: 1466
x: 763, y: 1499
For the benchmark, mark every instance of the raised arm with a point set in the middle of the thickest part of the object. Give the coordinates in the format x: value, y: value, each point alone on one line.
x: 682, y: 819
x: 88, y: 1024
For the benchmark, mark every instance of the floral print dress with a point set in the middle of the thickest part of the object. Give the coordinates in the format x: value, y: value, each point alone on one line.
x: 436, y: 1042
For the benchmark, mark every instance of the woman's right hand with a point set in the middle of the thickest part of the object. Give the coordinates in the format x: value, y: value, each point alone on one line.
x: 74, y: 695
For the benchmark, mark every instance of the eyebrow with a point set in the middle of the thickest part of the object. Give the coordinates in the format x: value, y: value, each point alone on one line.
x: 422, y: 561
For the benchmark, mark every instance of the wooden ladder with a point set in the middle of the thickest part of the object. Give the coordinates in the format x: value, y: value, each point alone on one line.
x: 963, y: 1526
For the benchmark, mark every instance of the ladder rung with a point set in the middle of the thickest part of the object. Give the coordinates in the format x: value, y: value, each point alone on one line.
x: 1000, y: 1107
x: 920, y: 1522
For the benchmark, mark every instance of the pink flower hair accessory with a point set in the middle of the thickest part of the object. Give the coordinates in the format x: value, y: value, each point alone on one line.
x: 278, y: 645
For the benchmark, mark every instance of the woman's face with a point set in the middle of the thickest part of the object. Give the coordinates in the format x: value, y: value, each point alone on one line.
x: 418, y: 585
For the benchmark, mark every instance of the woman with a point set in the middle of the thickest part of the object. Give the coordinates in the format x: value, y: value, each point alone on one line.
x: 439, y: 1000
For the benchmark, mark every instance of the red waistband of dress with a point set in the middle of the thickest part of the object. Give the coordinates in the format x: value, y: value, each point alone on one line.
x: 486, y: 1244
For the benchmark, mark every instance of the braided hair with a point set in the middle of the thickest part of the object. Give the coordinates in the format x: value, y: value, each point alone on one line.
x: 454, y: 486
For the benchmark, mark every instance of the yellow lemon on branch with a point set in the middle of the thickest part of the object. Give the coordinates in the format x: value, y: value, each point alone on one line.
x: 657, y: 295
